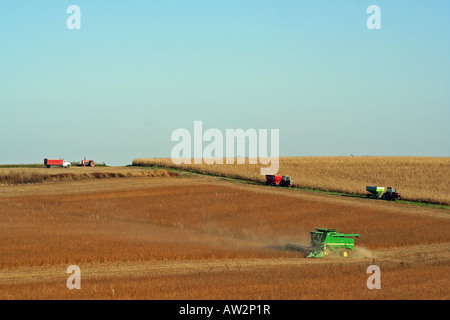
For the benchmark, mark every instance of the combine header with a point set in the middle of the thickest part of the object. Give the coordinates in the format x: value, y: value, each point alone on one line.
x: 325, y: 242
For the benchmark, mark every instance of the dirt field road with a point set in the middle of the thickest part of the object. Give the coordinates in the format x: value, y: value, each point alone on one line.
x: 403, y: 255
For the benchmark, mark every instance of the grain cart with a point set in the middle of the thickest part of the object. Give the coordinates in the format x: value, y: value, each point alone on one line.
x: 380, y: 192
x: 325, y: 242
x: 283, y: 181
x: 375, y: 192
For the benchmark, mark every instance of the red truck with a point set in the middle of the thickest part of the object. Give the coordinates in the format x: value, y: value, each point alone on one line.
x: 56, y: 163
x: 283, y: 181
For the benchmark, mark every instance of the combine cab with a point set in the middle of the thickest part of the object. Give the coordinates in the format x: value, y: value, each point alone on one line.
x: 325, y: 242
x: 283, y: 181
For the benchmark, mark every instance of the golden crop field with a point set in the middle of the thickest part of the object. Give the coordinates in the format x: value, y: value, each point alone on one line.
x: 423, y: 179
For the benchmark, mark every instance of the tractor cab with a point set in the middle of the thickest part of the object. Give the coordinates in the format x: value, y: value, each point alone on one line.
x: 391, y: 194
x: 287, y: 181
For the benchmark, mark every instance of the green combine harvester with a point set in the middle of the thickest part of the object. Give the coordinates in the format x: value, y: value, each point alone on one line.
x: 325, y: 242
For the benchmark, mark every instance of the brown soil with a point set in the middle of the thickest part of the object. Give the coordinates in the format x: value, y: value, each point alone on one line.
x: 204, y: 238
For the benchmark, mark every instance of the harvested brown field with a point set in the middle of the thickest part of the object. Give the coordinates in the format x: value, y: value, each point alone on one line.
x: 423, y: 179
x: 196, y: 237
x: 23, y: 175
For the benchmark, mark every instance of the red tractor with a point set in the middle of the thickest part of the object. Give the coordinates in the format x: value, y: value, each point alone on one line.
x: 282, y: 181
x: 391, y: 194
x: 87, y: 163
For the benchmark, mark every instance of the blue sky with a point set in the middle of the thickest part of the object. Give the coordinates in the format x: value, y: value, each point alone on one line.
x: 117, y: 88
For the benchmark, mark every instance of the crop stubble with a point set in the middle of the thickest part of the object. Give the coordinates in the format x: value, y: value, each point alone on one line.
x: 203, y: 222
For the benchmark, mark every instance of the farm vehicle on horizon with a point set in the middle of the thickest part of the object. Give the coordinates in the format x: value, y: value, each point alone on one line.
x: 87, y: 163
x: 390, y: 194
x: 282, y: 181
x: 50, y: 163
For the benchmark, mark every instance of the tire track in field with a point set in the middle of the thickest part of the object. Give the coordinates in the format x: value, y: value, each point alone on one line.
x: 137, y: 269
x: 410, y: 254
